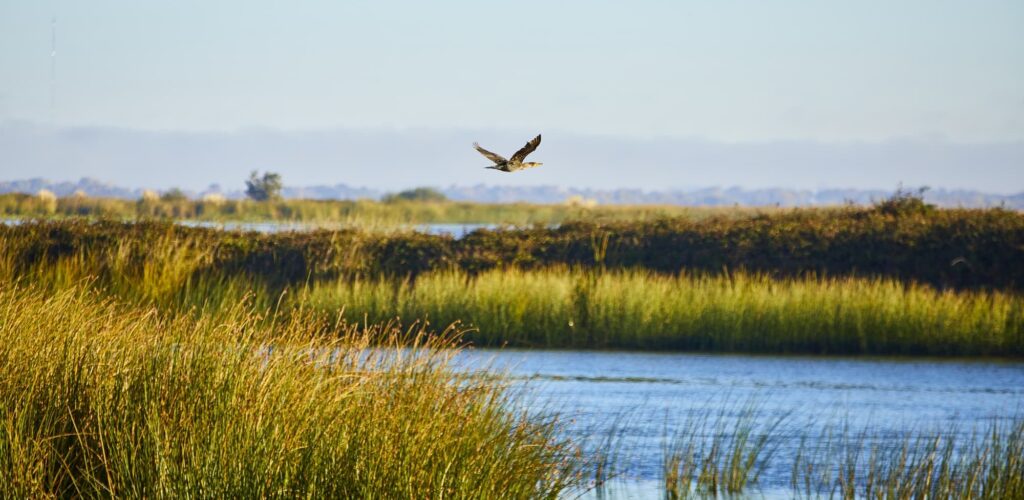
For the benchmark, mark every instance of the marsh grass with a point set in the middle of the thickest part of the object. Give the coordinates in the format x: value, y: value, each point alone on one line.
x: 722, y: 454
x: 180, y: 269
x: 353, y: 212
x: 947, y: 249
x: 163, y: 270
x: 141, y: 367
x: 719, y: 453
x: 945, y: 464
x: 606, y: 454
x: 101, y: 399
x: 736, y: 312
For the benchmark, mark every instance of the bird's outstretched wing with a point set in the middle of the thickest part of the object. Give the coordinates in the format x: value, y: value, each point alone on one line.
x: 496, y: 158
x: 527, y: 149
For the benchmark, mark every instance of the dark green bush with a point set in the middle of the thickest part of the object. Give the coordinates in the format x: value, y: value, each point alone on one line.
x: 418, y: 194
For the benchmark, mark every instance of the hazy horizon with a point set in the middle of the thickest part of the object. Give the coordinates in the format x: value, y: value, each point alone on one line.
x: 650, y: 95
x: 396, y: 159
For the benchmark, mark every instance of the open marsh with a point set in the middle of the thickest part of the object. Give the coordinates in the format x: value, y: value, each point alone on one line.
x: 561, y: 287
x: 105, y: 323
x: 100, y: 398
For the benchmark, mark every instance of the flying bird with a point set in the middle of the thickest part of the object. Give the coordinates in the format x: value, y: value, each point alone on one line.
x: 516, y: 163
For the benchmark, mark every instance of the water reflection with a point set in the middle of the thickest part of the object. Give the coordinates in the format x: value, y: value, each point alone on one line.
x: 455, y: 230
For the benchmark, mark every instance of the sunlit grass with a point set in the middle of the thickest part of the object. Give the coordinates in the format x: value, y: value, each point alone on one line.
x: 737, y: 312
x: 102, y: 399
x: 141, y: 367
x: 182, y: 270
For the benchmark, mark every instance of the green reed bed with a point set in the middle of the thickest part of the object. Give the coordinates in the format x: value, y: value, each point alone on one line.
x: 737, y: 312
x: 417, y: 277
x: 101, y: 399
x: 163, y: 269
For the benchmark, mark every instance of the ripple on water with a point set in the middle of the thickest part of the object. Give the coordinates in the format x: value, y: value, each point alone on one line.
x: 645, y: 396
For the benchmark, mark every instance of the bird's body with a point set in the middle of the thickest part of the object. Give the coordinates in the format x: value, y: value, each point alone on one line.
x: 514, y: 163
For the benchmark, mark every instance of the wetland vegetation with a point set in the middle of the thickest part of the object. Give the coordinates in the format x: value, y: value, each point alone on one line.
x: 567, y: 308
x: 900, y: 278
x: 393, y: 211
x: 151, y: 359
x: 901, y: 238
x: 710, y: 457
x: 104, y: 399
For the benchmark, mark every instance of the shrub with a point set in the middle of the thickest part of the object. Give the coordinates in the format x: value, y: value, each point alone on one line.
x: 418, y: 194
x: 263, y: 188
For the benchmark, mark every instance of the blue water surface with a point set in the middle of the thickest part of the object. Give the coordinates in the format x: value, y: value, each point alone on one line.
x: 646, y: 398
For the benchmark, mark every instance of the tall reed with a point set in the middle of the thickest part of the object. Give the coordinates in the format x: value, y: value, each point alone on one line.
x: 181, y: 269
x: 724, y: 454
x: 102, y: 399
x: 719, y: 454
x: 735, y: 312
x: 944, y: 464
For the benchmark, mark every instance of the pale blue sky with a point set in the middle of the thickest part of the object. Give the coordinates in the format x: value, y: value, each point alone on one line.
x: 722, y: 71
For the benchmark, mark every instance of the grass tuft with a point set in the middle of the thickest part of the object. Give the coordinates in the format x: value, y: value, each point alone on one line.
x: 99, y: 398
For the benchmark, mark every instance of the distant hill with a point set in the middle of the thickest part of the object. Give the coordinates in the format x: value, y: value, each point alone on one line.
x: 91, y: 187
x: 712, y: 196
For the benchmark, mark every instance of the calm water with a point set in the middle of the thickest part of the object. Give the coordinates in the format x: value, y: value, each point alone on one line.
x: 456, y: 230
x: 646, y: 397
